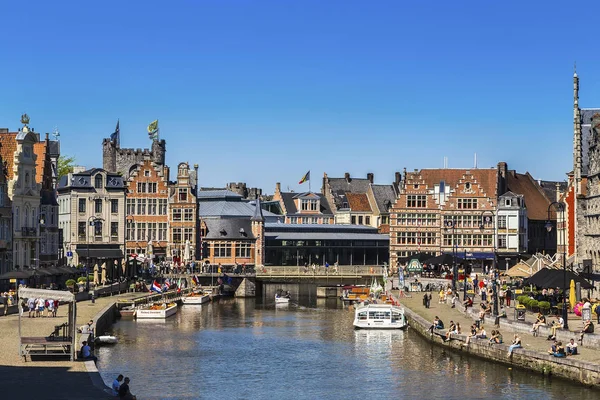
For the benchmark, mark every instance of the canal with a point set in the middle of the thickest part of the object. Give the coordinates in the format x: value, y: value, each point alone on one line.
x: 251, y: 349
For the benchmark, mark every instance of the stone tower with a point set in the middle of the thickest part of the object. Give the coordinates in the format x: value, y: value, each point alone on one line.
x: 116, y: 159
x: 258, y: 230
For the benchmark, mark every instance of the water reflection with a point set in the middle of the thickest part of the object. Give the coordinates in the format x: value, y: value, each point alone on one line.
x: 251, y: 349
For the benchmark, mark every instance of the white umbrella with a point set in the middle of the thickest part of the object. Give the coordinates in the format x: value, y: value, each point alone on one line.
x: 186, y: 252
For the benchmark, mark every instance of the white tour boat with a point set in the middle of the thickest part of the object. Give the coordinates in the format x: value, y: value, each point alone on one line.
x: 159, y: 310
x: 379, y: 316
x: 281, y: 297
x: 196, y: 298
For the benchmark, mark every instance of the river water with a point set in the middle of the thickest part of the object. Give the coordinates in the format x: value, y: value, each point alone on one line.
x: 251, y: 349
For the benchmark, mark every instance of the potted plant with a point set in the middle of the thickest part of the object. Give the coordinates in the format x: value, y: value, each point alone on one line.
x: 544, y: 307
x: 533, y: 305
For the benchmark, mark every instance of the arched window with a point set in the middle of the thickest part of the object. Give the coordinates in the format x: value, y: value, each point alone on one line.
x: 27, y: 179
x: 98, y: 181
x: 26, y: 217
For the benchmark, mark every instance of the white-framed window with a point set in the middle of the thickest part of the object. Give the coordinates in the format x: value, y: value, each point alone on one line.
x: 502, y: 221
x: 242, y: 249
x: 416, y: 201
x: 467, y: 204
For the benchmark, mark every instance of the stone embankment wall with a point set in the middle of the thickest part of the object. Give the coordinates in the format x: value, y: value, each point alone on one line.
x: 580, y: 371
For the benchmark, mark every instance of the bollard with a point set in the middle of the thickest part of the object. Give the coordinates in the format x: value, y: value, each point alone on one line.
x: 93, y: 297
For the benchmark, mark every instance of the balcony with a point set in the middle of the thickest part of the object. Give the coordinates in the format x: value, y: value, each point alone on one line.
x: 28, y: 232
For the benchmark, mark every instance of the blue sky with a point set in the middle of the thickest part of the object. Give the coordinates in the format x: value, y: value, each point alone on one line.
x: 262, y: 91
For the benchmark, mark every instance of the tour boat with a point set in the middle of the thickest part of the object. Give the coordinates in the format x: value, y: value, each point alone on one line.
x: 127, y: 312
x: 354, y: 294
x: 379, y: 316
x: 196, y: 298
x: 106, y: 339
x: 157, y: 310
x: 282, y: 298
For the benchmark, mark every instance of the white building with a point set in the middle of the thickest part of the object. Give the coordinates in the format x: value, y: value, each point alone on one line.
x: 511, y: 223
x: 92, y: 217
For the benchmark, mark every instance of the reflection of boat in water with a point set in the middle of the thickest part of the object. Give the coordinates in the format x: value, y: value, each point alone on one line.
x: 157, y: 310
x: 281, y: 297
x: 379, y: 316
x: 196, y: 298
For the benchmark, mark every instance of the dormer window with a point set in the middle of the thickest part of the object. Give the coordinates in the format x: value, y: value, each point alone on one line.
x: 146, y: 173
x: 98, y: 182
x: 507, y: 202
x: 468, y: 185
x: 309, y: 204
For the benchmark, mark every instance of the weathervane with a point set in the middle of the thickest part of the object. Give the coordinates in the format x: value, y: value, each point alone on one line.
x: 25, y: 119
x: 56, y: 133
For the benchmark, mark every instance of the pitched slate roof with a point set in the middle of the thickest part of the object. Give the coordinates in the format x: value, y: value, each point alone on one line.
x: 586, y: 136
x: 228, y: 228
x: 486, y: 178
x: 231, y: 209
x: 290, y: 205
x: 358, y: 202
x: 322, y: 232
x: 535, y: 199
x: 83, y: 180
x: 218, y: 194
x: 549, y: 188
x: 384, y: 194
x: 341, y: 186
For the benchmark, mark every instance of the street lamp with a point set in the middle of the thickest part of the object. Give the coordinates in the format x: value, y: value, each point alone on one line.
x: 451, y: 224
x: 560, y: 207
x: 488, y: 220
x: 91, y: 222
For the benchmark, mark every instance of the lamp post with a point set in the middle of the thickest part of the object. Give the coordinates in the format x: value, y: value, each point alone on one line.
x: 91, y: 222
x: 488, y: 220
x: 451, y: 224
x: 560, y: 207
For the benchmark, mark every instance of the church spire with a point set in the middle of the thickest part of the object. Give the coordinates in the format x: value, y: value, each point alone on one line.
x: 258, y: 215
x: 577, y: 150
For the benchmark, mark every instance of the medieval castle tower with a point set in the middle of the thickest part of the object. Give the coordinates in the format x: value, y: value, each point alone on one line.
x: 116, y: 159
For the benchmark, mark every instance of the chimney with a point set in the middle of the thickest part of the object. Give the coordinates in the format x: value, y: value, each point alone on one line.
x: 370, y: 177
x: 347, y: 176
x: 278, y: 187
x: 397, y: 178
x: 502, y: 172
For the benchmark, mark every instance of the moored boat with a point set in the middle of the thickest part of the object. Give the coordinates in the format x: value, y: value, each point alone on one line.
x: 157, y: 310
x: 281, y: 297
x: 106, y: 339
x: 379, y: 316
x: 127, y: 312
x: 196, y: 298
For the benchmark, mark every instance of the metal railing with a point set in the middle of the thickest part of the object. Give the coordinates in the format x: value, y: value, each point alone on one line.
x: 319, y: 271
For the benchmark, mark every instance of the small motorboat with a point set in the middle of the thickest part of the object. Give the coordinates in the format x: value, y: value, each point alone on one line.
x: 127, y: 312
x: 281, y: 297
x: 196, y: 298
x: 157, y: 310
x: 106, y: 339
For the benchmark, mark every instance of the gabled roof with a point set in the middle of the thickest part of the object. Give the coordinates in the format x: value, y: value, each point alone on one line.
x: 231, y: 209
x: 358, y: 202
x: 83, y: 180
x: 536, y: 200
x: 384, y: 194
x: 290, y: 205
x: 487, y: 178
x: 510, y: 194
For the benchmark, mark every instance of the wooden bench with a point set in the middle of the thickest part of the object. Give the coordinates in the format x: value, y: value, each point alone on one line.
x: 46, y: 346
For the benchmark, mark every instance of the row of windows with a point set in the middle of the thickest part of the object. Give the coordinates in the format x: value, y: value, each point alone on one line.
x: 420, y: 201
x: 466, y: 240
x: 367, y: 220
x: 469, y: 221
x: 146, y: 231
x: 308, y: 220
x: 146, y: 207
x: 309, y: 205
x: 418, y: 238
x: 97, y: 229
x: 418, y: 219
x: 224, y: 250
x: 147, y: 187
x: 98, y: 205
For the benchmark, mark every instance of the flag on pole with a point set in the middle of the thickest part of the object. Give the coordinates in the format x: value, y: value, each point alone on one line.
x: 167, y: 283
x: 305, y: 178
x: 155, y: 287
x: 195, y: 280
x: 153, y: 130
x: 115, y: 136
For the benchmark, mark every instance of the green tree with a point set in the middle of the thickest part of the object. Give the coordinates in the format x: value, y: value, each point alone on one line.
x: 65, y: 165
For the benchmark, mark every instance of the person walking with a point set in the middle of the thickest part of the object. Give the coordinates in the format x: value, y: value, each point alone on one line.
x: 5, y: 303
x: 508, y: 296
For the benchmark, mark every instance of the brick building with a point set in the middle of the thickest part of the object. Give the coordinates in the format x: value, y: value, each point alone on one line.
x: 441, y: 209
x: 5, y: 208
x: 183, y: 207
x: 147, y: 209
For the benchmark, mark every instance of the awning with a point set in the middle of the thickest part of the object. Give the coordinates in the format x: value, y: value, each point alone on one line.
x: 100, y: 253
x: 60, y: 295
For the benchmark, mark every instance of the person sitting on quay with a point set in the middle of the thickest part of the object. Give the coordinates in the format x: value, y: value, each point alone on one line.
x: 553, y: 347
x: 559, y: 350
x: 481, y: 334
x: 86, y: 352
x: 437, y: 324
x: 124, y: 392
x: 451, y: 330
x: 516, y: 344
x: 496, y: 337
x: 116, y: 385
x: 588, y: 327
x: 572, y: 348
x: 540, y: 321
x: 468, y: 303
x: 559, y: 323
